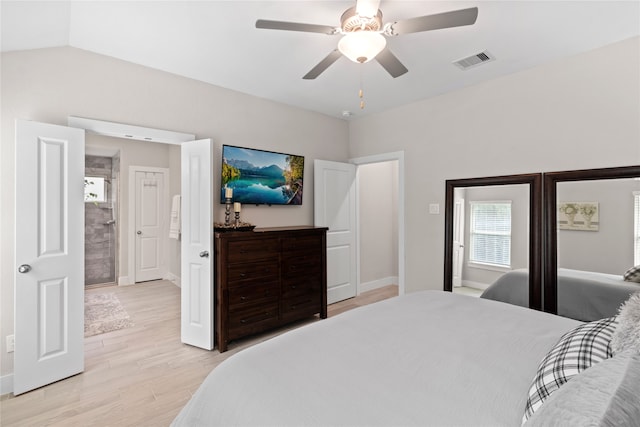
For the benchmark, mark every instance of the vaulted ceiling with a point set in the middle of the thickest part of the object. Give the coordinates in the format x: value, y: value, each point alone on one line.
x: 217, y: 42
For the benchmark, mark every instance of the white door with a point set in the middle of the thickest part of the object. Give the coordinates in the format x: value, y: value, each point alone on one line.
x: 197, y: 244
x: 149, y: 216
x: 458, y: 240
x: 49, y: 277
x: 335, y: 207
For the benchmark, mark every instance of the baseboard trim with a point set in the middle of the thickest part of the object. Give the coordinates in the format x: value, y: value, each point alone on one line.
x: 174, y: 279
x: 379, y: 283
x: 6, y: 384
x: 475, y: 285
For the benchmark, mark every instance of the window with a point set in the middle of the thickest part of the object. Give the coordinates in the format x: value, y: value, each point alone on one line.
x: 94, y: 189
x: 636, y: 228
x: 490, y: 234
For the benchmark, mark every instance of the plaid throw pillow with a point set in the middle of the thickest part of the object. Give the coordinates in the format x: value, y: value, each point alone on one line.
x: 633, y: 274
x: 576, y: 351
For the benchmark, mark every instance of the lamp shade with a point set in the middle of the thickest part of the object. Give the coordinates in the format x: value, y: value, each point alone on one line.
x: 362, y: 46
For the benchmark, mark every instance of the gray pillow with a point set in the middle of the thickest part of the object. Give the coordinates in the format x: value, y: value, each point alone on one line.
x: 627, y: 333
x: 607, y: 394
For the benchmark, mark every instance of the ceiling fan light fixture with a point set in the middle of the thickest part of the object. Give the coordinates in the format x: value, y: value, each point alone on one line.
x: 362, y: 46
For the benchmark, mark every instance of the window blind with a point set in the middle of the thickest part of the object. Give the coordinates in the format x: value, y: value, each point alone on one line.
x: 490, y: 233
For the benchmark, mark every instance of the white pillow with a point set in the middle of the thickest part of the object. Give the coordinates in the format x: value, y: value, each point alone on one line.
x: 627, y: 334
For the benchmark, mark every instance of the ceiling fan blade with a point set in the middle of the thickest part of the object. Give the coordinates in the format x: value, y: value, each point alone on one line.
x: 390, y: 63
x: 456, y: 18
x: 368, y: 8
x: 323, y: 65
x: 294, y: 26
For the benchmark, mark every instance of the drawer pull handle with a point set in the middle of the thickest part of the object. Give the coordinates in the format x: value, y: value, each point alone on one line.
x: 293, y: 286
x: 243, y: 274
x: 243, y: 298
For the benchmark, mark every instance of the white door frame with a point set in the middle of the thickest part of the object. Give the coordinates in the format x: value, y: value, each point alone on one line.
x: 380, y: 158
x: 131, y: 229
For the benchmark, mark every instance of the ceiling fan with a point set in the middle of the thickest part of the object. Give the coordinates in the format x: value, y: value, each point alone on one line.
x: 364, y: 34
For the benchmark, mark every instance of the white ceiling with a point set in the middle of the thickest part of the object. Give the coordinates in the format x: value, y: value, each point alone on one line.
x: 217, y: 42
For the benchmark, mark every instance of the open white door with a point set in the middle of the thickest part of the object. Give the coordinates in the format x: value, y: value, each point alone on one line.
x: 49, y: 277
x: 197, y: 244
x: 335, y: 207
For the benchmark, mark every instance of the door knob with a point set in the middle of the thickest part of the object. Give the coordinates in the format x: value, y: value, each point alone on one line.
x: 24, y: 268
x: 204, y: 254
x: 138, y: 232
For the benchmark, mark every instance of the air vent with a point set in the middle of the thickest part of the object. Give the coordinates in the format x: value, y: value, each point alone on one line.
x: 474, y: 60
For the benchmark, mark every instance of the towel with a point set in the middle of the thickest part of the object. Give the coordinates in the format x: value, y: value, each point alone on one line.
x: 174, y: 224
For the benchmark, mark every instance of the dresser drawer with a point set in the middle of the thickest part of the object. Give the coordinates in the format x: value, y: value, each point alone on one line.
x: 304, y: 263
x: 259, y: 271
x: 247, y: 250
x: 291, y: 244
x: 253, y: 319
x: 258, y: 293
x: 294, y: 287
x: 300, y: 307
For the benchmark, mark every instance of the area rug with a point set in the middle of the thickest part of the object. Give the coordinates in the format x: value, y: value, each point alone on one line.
x: 104, y: 313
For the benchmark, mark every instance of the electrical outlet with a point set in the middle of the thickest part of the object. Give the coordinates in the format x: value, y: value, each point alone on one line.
x: 11, y: 343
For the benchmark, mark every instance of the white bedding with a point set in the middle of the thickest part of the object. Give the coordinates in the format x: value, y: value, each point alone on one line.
x: 430, y: 358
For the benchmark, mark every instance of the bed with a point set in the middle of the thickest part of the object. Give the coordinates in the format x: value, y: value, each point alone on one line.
x: 429, y: 358
x: 582, y: 295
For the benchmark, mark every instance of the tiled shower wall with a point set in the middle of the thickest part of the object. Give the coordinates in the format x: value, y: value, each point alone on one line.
x: 100, y: 234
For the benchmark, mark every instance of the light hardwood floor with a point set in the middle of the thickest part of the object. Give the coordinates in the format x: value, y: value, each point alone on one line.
x: 142, y: 375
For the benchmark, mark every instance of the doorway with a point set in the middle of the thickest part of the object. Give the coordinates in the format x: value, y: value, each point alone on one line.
x: 378, y: 224
x: 389, y: 167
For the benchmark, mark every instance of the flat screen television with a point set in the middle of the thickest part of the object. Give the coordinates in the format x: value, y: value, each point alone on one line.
x: 259, y: 177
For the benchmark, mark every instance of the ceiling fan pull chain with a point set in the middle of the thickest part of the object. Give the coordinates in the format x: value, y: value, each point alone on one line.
x: 361, y: 91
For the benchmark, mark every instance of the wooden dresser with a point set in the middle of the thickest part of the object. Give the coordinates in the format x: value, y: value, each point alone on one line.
x: 266, y: 278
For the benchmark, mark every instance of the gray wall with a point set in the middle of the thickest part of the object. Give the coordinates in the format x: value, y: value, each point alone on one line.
x: 579, y: 112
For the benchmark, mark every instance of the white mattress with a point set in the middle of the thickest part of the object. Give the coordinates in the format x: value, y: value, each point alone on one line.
x: 430, y: 359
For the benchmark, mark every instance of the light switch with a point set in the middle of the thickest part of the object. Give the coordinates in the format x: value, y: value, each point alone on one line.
x: 434, y: 208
